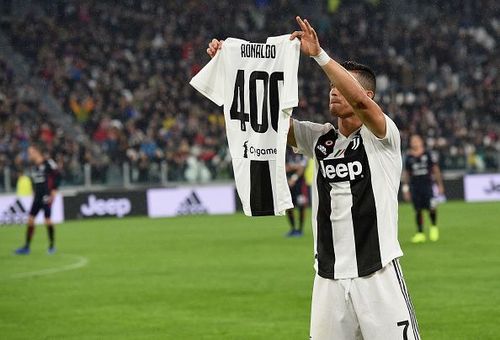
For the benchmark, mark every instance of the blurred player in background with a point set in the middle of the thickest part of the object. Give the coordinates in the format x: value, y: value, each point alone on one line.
x: 421, y: 170
x: 45, y: 178
x: 295, y: 168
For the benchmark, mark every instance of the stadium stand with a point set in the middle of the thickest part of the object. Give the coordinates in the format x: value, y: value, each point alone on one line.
x: 121, y: 70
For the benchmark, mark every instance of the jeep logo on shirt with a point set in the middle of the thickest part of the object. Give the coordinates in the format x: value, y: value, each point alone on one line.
x: 338, y: 170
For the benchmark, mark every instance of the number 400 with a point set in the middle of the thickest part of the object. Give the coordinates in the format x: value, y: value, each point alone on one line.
x: 270, y: 89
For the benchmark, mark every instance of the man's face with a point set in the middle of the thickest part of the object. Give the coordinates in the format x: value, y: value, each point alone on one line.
x: 33, y: 155
x: 416, y: 143
x: 338, y: 105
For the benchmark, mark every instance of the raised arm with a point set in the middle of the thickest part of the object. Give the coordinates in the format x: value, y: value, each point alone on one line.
x: 360, y: 99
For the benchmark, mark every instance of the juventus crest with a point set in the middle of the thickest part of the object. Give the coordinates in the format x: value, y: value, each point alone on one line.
x: 355, y: 142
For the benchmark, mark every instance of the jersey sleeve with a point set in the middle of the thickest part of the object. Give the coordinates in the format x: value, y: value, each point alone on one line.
x: 392, y: 138
x: 306, y: 134
x: 291, y: 67
x: 210, y: 80
x: 53, y: 175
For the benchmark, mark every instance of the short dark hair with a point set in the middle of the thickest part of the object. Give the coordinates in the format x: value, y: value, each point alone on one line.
x: 366, y: 75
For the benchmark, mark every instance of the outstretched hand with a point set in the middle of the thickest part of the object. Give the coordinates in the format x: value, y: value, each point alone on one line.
x: 309, y: 42
x: 213, y: 47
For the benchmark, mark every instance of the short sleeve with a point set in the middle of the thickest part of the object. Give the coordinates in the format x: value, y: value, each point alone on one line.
x: 210, y: 80
x: 392, y: 137
x: 291, y: 67
x: 306, y: 134
x: 53, y: 174
x: 52, y: 165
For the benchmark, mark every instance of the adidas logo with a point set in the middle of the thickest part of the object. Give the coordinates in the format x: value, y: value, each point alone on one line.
x: 14, y: 214
x: 322, y: 149
x: 191, y: 205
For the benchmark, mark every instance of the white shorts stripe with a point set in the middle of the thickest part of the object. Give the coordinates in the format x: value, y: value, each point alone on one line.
x: 398, y: 268
x: 413, y: 319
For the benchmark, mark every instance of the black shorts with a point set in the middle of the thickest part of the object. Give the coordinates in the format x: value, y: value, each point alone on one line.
x: 299, y: 193
x: 421, y: 196
x: 38, y: 204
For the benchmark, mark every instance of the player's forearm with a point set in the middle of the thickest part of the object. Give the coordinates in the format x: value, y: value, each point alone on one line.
x: 364, y: 107
x: 346, y: 84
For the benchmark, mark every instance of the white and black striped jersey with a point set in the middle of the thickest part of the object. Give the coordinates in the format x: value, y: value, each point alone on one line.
x: 257, y: 84
x: 354, y: 197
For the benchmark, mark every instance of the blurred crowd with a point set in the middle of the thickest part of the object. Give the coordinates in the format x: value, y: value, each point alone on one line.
x: 23, y: 118
x: 122, y: 68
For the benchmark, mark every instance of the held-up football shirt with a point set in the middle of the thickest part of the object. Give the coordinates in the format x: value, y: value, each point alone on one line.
x: 354, y: 197
x: 257, y: 85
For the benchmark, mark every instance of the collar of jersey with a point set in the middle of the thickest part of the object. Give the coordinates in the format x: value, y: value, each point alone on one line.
x: 341, y: 136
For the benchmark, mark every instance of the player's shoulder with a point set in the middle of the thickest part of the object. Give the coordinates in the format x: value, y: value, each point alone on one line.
x: 231, y: 46
x: 314, y: 127
x: 282, y: 39
x: 389, y: 123
x: 235, y: 41
x: 392, y: 135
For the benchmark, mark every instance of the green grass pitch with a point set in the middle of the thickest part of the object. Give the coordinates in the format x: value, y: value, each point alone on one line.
x: 230, y: 277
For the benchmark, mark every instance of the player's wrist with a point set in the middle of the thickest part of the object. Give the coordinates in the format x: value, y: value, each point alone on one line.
x: 405, y: 188
x: 322, y: 58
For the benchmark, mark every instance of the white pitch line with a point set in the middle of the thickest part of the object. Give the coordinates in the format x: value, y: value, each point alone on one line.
x: 81, y: 261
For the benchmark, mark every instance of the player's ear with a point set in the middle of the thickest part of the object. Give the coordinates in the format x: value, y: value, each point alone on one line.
x: 370, y: 94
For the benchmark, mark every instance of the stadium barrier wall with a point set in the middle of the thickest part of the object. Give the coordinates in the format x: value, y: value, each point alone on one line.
x: 14, y: 210
x: 105, y: 203
x: 483, y: 187
x: 191, y: 199
x: 155, y: 202
x: 454, y: 188
x: 188, y: 200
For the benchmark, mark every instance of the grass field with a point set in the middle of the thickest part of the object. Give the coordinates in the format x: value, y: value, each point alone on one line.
x: 230, y: 277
